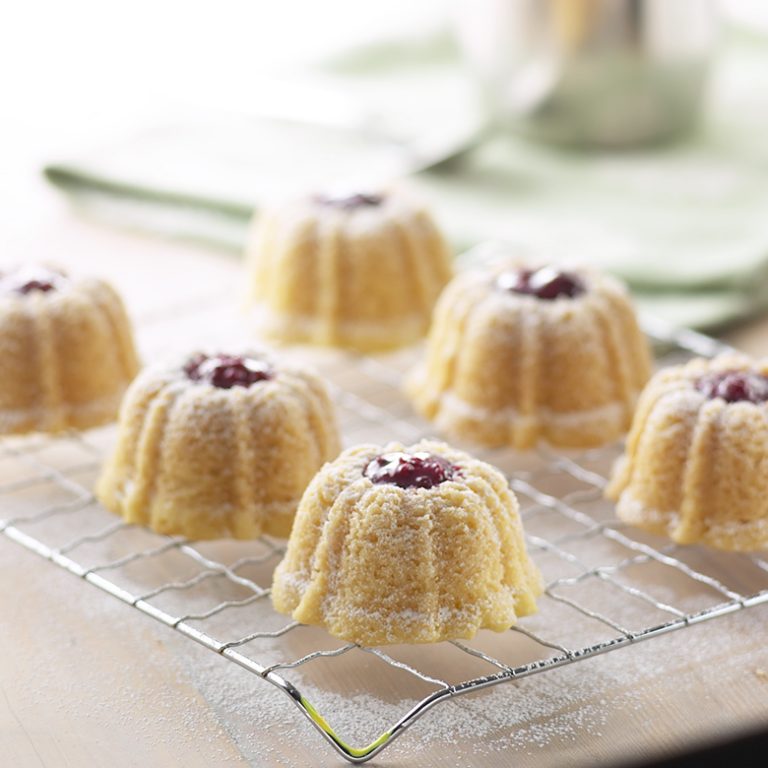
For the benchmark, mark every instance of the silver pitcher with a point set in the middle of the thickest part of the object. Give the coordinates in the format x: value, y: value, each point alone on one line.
x: 591, y: 72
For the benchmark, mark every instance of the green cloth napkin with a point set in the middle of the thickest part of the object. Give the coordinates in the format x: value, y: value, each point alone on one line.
x: 686, y: 225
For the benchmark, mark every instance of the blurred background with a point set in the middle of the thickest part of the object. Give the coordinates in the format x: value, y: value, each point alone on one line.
x: 627, y: 133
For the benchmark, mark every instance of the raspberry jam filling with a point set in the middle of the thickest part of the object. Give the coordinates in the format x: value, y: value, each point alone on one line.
x: 734, y: 386
x: 227, y: 371
x: 26, y: 280
x: 410, y: 470
x: 350, y: 202
x: 546, y: 283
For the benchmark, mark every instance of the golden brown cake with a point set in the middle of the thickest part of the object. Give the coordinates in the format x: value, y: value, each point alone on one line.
x: 219, y: 446
x: 696, y: 462
x: 520, y: 353
x: 407, y: 545
x: 66, y: 351
x: 361, y: 271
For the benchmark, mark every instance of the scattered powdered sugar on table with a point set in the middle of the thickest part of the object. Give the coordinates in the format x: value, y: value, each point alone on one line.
x: 551, y: 711
x: 115, y: 651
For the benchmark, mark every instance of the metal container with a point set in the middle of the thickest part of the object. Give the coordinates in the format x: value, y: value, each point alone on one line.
x: 608, y: 73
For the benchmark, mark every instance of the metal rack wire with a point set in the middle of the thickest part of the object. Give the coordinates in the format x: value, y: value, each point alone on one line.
x: 608, y: 586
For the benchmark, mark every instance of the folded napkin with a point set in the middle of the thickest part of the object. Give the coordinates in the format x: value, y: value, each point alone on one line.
x: 686, y: 225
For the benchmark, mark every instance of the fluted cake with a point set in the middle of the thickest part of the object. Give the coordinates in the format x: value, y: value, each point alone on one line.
x: 361, y: 271
x: 696, y: 462
x: 219, y: 445
x: 521, y: 353
x: 66, y: 351
x: 411, y: 544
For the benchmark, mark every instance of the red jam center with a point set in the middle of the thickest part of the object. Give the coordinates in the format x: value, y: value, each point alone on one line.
x: 227, y: 371
x: 544, y: 283
x: 410, y: 470
x: 350, y: 202
x: 734, y: 386
x: 26, y: 280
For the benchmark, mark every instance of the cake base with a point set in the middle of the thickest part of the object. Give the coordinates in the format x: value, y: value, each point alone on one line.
x: 733, y: 536
x: 354, y: 335
x: 508, y: 426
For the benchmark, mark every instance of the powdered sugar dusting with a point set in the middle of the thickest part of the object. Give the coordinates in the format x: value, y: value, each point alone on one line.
x: 99, y: 410
x: 567, y: 711
x: 454, y: 407
x: 409, y: 327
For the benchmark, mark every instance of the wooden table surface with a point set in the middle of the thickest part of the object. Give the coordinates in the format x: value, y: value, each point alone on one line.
x: 81, y: 688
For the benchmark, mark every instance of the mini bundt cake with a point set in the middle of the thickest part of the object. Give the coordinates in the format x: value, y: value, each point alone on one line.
x: 66, y: 351
x: 219, y: 446
x: 696, y: 462
x: 407, y: 545
x: 361, y: 271
x: 518, y: 354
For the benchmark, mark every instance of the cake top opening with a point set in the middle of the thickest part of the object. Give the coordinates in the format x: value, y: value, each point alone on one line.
x: 32, y: 279
x: 546, y: 283
x: 734, y: 386
x: 410, y: 470
x: 226, y: 371
x: 351, y: 201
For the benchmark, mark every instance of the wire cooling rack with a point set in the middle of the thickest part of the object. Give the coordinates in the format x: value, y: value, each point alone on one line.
x: 607, y: 585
